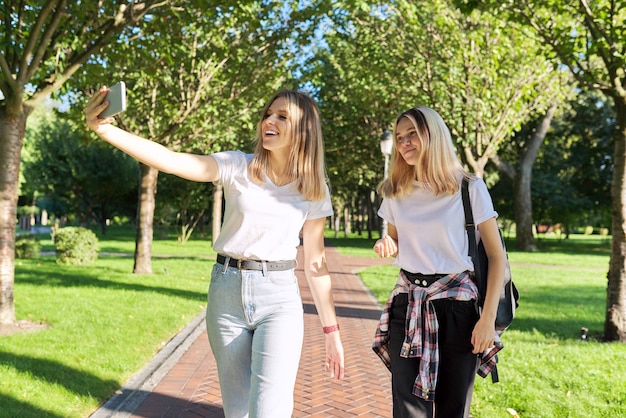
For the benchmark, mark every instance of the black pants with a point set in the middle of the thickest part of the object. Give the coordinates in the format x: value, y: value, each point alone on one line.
x: 457, y: 366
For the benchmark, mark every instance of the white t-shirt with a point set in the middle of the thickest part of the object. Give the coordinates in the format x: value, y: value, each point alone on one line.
x: 431, y: 229
x: 261, y: 220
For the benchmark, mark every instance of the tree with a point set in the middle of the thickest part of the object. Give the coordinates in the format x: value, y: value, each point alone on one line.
x: 42, y: 45
x: 588, y: 38
x: 520, y: 174
x: 574, y: 167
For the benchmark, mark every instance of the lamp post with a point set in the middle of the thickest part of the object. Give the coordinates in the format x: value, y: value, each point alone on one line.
x: 386, y: 146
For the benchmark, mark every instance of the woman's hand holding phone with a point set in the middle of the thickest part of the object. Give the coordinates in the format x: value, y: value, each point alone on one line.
x: 116, y: 97
x: 104, y: 104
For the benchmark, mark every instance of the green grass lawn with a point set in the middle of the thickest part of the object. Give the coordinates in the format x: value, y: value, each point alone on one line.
x: 545, y: 369
x: 107, y: 323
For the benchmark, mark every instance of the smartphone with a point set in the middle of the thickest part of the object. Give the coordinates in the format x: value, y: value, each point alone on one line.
x: 117, y: 100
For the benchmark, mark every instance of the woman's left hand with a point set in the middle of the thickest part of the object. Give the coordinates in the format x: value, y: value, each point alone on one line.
x: 334, y: 355
x: 483, y: 335
x: 386, y: 247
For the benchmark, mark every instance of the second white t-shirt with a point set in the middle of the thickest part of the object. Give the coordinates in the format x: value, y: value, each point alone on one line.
x: 431, y: 229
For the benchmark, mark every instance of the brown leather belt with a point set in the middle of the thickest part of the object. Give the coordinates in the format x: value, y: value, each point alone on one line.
x: 256, y: 264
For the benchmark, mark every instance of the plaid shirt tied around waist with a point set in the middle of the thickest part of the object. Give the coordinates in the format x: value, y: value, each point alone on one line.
x: 422, y: 328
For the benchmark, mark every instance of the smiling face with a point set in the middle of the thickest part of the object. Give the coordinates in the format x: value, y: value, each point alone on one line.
x: 408, y: 141
x: 276, y: 127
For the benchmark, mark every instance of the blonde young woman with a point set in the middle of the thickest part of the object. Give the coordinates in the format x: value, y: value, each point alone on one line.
x: 430, y: 335
x: 254, y: 314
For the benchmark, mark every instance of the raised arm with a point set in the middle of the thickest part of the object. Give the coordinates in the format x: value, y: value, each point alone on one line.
x: 202, y: 168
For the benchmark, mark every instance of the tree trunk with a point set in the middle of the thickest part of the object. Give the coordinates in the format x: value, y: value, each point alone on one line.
x: 145, y: 219
x: 218, y: 193
x: 615, y: 323
x: 525, y: 239
x: 477, y: 165
x: 337, y: 222
x: 12, y: 128
x: 371, y: 213
x: 359, y: 211
x: 347, y: 220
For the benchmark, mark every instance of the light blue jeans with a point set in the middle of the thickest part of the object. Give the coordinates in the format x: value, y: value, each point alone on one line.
x: 255, y: 323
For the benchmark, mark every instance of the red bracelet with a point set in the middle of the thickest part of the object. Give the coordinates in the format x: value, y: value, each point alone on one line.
x: 332, y: 328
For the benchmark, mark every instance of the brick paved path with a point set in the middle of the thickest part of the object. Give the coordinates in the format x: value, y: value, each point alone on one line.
x: 190, y: 388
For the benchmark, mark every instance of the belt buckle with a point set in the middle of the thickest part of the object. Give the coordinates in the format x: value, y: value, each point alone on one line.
x: 239, y: 264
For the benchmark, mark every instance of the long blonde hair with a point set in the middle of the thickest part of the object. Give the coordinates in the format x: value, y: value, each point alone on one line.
x: 306, y: 164
x: 438, y: 166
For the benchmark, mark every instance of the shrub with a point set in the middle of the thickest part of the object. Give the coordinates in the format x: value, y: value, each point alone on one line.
x: 75, y: 245
x: 27, y: 246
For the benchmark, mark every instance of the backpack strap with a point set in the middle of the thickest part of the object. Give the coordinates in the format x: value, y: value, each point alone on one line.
x: 481, y: 282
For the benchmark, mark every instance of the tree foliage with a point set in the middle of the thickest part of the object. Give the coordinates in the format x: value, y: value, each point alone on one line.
x: 184, y: 204
x: 89, y: 179
x: 574, y: 168
x: 589, y: 38
x: 356, y: 97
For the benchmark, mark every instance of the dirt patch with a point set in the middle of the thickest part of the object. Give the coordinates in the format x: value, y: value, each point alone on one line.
x: 22, y: 326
